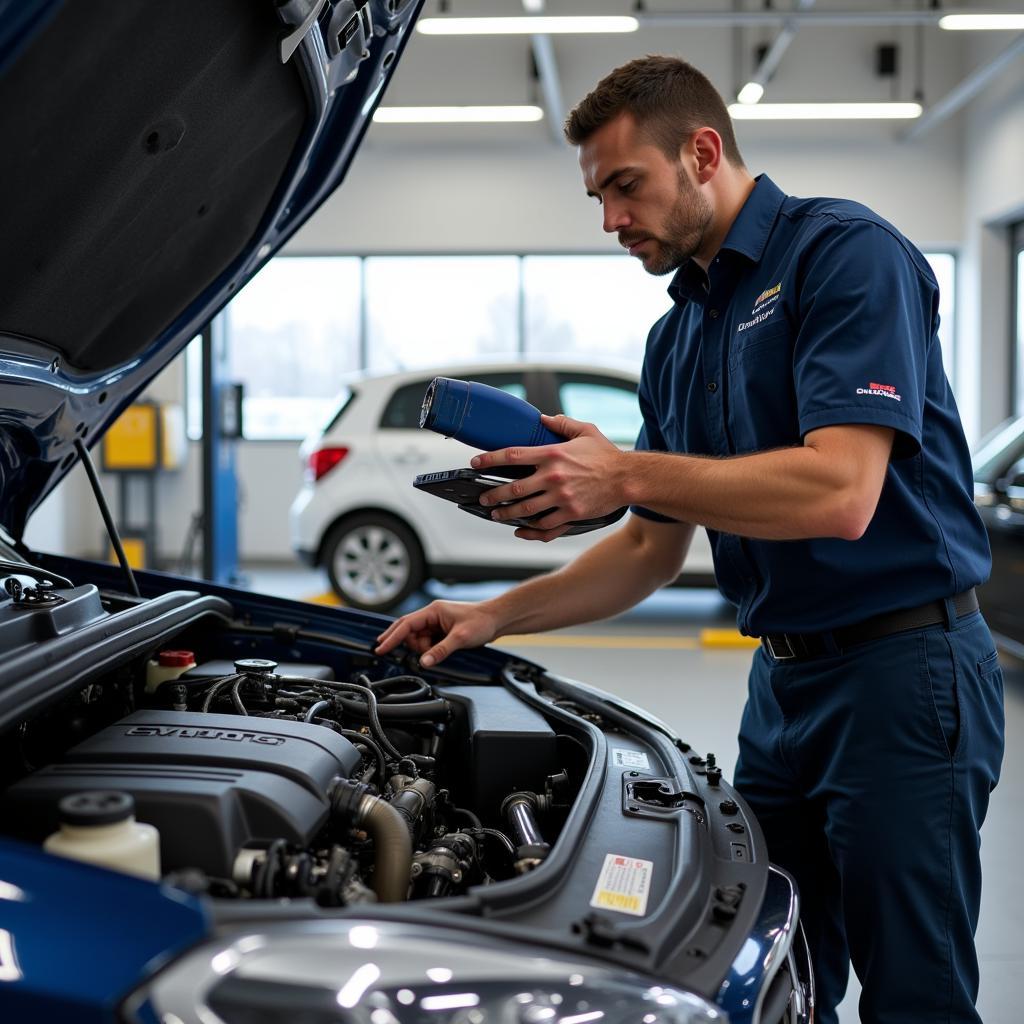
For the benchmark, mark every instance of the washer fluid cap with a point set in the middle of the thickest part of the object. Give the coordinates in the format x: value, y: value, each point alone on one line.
x: 176, y: 659
x: 96, y: 807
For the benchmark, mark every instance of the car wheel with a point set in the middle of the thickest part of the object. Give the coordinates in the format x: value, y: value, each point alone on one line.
x: 374, y: 561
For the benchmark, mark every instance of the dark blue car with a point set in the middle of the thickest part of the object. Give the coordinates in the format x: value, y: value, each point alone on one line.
x: 222, y: 807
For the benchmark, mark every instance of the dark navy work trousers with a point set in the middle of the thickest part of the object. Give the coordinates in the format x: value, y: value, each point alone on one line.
x: 870, y: 771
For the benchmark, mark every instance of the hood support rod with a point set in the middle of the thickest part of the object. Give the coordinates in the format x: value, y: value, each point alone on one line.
x: 108, y: 519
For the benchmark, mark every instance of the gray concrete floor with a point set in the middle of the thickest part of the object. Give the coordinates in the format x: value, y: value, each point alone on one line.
x: 700, y: 693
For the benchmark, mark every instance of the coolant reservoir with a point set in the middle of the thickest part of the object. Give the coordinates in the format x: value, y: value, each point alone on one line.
x: 99, y: 827
x: 168, y: 665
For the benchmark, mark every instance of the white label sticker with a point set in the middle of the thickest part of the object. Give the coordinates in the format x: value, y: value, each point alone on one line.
x: 624, y: 885
x: 630, y: 758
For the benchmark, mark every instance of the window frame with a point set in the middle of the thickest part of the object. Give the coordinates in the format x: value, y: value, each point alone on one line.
x: 1015, y: 397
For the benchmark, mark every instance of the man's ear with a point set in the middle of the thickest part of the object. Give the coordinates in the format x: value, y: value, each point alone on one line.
x: 705, y: 146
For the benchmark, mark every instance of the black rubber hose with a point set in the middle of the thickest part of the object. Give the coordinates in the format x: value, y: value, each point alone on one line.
x: 502, y: 838
x: 386, y: 692
x: 371, y: 706
x: 427, y: 710
x: 216, y: 688
x: 465, y: 813
x: 320, y: 705
x: 236, y: 697
x: 358, y: 737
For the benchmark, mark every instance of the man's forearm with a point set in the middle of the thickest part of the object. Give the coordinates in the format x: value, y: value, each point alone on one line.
x: 786, y: 494
x: 608, y: 578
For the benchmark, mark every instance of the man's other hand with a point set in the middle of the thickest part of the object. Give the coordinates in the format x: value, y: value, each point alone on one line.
x: 438, y: 630
x: 579, y: 478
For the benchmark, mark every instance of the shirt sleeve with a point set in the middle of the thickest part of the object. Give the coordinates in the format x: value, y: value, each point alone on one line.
x: 867, y: 316
x: 650, y: 439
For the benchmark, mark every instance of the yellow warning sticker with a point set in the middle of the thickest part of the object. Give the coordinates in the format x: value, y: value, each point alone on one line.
x: 623, y: 884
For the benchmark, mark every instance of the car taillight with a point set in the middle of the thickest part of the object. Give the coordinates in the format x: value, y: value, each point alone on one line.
x: 323, y: 461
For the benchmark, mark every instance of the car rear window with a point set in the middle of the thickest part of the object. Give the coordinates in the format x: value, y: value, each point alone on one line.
x: 610, y: 404
x: 345, y: 399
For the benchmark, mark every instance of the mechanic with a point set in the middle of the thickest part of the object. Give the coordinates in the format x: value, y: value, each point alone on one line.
x: 794, y: 403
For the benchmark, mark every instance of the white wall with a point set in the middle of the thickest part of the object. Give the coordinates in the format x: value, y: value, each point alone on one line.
x: 515, y: 198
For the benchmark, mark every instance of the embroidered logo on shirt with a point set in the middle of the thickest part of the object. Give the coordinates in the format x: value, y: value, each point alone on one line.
x: 882, y: 390
x: 761, y: 312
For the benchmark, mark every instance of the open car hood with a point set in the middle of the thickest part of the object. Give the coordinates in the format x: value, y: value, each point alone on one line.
x: 155, y: 155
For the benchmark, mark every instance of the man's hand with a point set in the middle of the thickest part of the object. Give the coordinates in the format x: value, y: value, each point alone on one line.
x: 579, y: 479
x: 438, y: 630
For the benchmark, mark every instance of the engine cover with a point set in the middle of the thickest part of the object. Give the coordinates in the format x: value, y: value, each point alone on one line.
x: 209, y: 783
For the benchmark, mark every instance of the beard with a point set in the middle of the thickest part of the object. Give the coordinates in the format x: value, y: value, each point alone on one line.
x: 685, y: 229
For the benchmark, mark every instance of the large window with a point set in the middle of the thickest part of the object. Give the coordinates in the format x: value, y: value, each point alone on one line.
x: 429, y: 310
x: 590, y: 305
x: 303, y: 323
x: 293, y: 333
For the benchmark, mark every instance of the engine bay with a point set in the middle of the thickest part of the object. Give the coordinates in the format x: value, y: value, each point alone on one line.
x: 276, y: 761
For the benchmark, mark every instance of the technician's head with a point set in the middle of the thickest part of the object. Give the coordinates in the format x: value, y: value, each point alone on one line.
x: 658, y: 151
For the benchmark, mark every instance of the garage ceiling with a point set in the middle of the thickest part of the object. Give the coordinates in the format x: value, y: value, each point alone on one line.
x: 799, y: 51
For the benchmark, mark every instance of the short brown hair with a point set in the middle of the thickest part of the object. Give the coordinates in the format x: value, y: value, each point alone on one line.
x: 668, y: 98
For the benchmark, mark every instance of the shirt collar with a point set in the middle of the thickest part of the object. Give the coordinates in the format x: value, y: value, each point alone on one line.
x: 748, y: 236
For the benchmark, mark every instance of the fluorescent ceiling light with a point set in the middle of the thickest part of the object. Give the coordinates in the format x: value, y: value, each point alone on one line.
x: 982, y: 22
x: 822, y: 111
x: 455, y: 115
x: 751, y: 92
x: 524, y: 25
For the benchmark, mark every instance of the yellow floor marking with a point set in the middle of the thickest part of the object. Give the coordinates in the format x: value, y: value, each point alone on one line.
x: 663, y: 643
x: 727, y: 638
x: 330, y: 598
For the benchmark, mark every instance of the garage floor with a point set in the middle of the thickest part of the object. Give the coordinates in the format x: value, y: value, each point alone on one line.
x: 654, y: 656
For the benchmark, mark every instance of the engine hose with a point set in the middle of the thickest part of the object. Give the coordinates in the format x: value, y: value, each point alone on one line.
x: 411, y: 690
x: 501, y: 838
x: 236, y: 696
x: 373, y: 748
x: 426, y: 710
x: 463, y: 812
x: 371, y: 709
x: 412, y: 800
x: 519, y: 809
x: 314, y: 711
x: 371, y: 706
x: 216, y: 688
x: 393, y: 847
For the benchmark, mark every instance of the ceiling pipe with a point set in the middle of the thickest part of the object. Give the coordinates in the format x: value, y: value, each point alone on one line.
x: 963, y: 93
x: 770, y: 62
x: 548, y: 77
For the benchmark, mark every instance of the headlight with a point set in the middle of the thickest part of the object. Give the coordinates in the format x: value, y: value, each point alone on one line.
x: 366, y: 972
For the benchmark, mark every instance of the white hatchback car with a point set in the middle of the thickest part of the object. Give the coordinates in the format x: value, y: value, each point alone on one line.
x: 380, y: 538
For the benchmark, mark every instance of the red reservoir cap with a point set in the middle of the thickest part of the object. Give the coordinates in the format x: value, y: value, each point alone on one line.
x: 176, y: 659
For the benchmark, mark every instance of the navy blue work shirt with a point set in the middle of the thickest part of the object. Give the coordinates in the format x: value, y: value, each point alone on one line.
x: 815, y: 313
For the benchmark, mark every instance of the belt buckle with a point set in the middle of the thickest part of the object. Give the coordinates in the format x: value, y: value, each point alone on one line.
x: 771, y: 648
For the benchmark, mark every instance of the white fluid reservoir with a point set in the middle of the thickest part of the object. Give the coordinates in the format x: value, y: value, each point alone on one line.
x: 99, y: 827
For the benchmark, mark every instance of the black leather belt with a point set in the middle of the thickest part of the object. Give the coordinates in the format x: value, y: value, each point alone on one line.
x: 799, y: 646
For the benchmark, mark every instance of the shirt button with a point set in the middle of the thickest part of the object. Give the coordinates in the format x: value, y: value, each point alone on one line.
x: 712, y: 386
x: 713, y: 314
